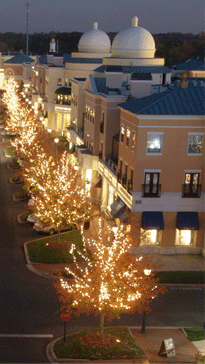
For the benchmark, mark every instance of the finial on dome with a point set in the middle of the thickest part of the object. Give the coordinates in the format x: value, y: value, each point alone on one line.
x: 135, y: 21
x: 95, y: 25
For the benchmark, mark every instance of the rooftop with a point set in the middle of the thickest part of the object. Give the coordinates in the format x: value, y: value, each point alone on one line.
x: 20, y: 59
x: 190, y: 64
x: 138, y: 69
x: 180, y: 101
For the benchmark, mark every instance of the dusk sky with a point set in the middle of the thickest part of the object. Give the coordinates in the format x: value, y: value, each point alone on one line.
x: 157, y: 16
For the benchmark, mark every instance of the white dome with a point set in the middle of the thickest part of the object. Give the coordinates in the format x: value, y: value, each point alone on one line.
x: 133, y: 42
x: 94, y: 41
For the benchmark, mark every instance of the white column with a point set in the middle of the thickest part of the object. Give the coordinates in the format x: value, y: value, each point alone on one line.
x: 56, y: 124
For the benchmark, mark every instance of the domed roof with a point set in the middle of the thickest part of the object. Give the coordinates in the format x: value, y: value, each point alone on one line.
x: 94, y: 41
x: 133, y: 42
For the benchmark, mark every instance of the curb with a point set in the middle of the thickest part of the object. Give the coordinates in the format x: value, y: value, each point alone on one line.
x: 19, y: 199
x: 14, y: 182
x: 53, y: 359
x: 29, y: 264
x: 20, y: 221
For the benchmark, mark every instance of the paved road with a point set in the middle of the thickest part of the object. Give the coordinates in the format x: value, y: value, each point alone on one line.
x: 29, y: 310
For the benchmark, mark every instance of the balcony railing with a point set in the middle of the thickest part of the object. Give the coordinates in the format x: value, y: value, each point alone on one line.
x: 61, y: 102
x: 190, y: 190
x: 111, y: 163
x: 149, y: 190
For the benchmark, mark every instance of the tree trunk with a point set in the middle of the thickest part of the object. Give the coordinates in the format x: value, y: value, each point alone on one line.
x: 102, y: 321
x: 143, y: 331
x: 58, y: 239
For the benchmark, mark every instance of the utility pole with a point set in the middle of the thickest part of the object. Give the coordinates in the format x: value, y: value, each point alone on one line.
x: 27, y: 5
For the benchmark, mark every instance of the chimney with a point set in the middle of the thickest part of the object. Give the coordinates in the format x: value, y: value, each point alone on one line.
x: 140, y: 84
x: 113, y: 76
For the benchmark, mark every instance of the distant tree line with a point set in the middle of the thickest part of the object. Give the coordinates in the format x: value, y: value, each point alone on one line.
x: 174, y: 47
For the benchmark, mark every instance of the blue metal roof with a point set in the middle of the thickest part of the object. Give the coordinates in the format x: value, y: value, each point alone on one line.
x: 138, y: 69
x: 20, y: 58
x: 190, y: 64
x: 84, y: 60
x: 180, y: 101
x: 101, y: 85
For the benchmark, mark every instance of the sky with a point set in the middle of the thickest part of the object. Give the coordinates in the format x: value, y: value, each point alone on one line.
x: 157, y: 16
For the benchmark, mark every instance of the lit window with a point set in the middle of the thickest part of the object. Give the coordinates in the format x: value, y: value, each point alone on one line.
x: 122, y: 133
x: 154, y: 143
x: 150, y: 237
x: 133, y: 140
x: 195, y: 143
x: 59, y: 81
x: 185, y: 237
x: 128, y: 137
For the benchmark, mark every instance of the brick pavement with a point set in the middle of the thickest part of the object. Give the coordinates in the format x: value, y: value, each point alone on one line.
x: 150, y: 343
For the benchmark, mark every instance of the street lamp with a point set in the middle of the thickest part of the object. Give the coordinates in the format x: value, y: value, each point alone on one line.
x: 147, y: 272
x: 56, y: 140
x: 43, y: 122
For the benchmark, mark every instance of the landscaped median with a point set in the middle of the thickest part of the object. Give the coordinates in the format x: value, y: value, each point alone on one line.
x: 117, y: 344
x: 48, y: 251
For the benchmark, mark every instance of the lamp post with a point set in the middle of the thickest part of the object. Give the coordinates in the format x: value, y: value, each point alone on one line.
x: 56, y: 140
x: 147, y: 272
x: 43, y: 122
x: 49, y: 132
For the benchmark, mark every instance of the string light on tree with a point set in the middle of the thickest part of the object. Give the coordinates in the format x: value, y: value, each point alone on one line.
x: 113, y: 281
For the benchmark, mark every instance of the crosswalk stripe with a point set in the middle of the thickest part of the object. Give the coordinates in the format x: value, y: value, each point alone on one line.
x: 27, y: 335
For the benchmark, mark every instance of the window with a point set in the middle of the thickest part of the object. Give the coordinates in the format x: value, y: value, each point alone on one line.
x: 59, y: 81
x: 103, y: 116
x: 151, y: 186
x: 133, y: 140
x: 93, y: 117
x: 124, y: 177
x: 119, y: 173
x: 185, y: 237
x: 154, y: 143
x: 130, y: 182
x: 122, y: 134
x: 128, y: 137
x: 150, y: 237
x: 191, y: 186
x: 102, y: 123
x: 195, y: 144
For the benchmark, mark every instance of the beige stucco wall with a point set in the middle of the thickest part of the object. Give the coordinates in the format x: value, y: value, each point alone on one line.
x: 174, y: 159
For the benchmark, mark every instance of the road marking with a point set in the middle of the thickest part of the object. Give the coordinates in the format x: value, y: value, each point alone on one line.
x: 187, y: 288
x: 27, y: 335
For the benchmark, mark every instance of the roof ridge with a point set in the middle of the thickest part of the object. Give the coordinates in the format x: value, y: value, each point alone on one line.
x: 168, y: 92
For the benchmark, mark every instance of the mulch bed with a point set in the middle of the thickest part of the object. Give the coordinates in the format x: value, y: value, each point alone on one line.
x: 94, y: 340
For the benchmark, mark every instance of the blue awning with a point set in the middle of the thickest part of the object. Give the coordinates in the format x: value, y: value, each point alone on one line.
x: 187, y: 220
x: 117, y: 208
x: 152, y: 220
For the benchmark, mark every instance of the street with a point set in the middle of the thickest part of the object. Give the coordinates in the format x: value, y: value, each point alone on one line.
x: 29, y: 309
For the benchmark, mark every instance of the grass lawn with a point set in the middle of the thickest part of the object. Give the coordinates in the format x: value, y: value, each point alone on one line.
x: 117, y: 344
x: 40, y: 251
x: 195, y: 277
x: 10, y: 151
x: 195, y: 333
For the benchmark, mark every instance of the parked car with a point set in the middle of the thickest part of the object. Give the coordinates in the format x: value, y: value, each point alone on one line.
x: 51, y: 229
x: 32, y: 218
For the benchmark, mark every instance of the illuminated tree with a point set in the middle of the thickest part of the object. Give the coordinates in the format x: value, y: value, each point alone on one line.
x: 20, y: 120
x: 112, y: 281
x: 61, y: 199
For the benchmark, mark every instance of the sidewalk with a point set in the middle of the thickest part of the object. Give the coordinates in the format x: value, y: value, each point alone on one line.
x: 186, y: 352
